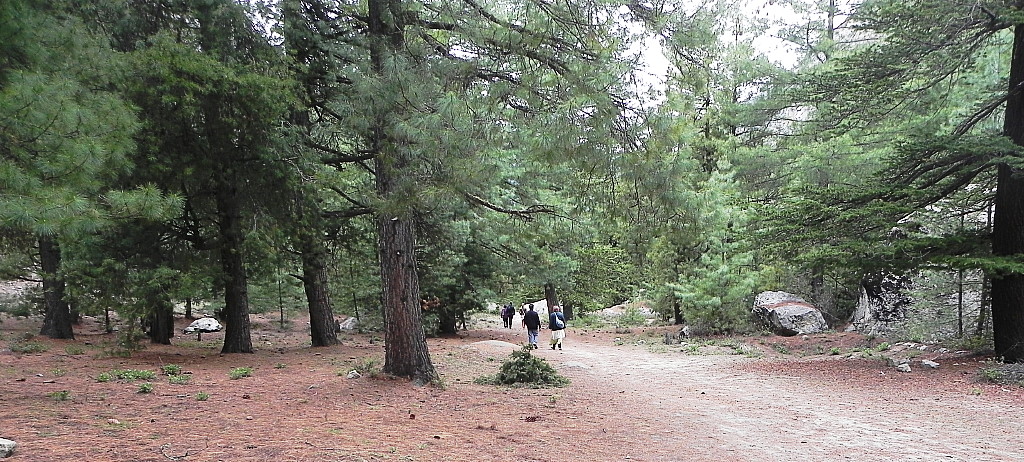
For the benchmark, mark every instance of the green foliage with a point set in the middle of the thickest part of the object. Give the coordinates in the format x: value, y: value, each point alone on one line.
x: 526, y: 370
x: 62, y: 395
x: 240, y: 372
x: 170, y: 369
x: 126, y: 375
x: 202, y: 396
x: 631, y: 317
x: 145, y: 387
x: 603, y: 276
x: 74, y: 350
x: 182, y: 379
x: 28, y: 346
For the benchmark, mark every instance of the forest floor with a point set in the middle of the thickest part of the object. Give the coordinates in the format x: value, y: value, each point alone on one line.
x: 633, y: 397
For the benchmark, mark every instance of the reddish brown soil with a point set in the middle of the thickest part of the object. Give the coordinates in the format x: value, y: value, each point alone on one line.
x: 632, y: 397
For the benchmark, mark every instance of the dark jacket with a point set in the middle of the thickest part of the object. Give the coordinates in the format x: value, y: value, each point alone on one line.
x: 531, y: 320
x: 551, y: 320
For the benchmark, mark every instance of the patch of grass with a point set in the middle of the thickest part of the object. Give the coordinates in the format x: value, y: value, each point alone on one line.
x: 280, y: 366
x: 525, y: 370
x: 131, y: 375
x: 58, y: 372
x: 202, y: 396
x: 146, y: 387
x: 62, y: 395
x: 781, y: 349
x: 182, y: 379
x: 104, y: 377
x: 74, y: 350
x: 835, y: 351
x: 28, y: 346
x: 240, y: 372
x: 171, y: 369
x: 369, y: 367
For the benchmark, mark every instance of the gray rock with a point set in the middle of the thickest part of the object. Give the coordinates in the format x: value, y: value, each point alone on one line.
x: 6, y: 448
x: 204, y: 325
x: 349, y: 324
x: 787, y: 314
x: 904, y: 367
x: 353, y: 375
x: 929, y: 364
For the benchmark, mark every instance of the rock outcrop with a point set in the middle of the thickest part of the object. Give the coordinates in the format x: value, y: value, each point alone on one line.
x: 787, y: 314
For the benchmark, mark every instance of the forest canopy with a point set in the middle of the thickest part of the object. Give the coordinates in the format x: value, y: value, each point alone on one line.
x: 410, y: 163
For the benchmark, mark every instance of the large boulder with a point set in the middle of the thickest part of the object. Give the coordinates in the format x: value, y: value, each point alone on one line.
x: 204, y: 325
x: 787, y: 314
x: 883, y: 304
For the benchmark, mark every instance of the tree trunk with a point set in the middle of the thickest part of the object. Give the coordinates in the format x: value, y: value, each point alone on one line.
x: 161, y: 322
x: 405, y: 352
x: 322, y: 330
x: 550, y: 295
x: 236, y: 292
x: 57, y: 320
x: 1008, y: 226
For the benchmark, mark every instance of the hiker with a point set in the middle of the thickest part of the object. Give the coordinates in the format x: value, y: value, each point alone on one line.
x: 556, y: 322
x: 531, y: 321
x: 507, y: 312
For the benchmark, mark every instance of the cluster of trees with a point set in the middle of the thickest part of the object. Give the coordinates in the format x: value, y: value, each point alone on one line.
x: 397, y: 151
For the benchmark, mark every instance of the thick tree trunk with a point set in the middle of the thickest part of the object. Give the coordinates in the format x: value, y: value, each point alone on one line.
x: 161, y: 322
x: 57, y: 320
x: 322, y: 330
x: 1008, y: 226
x: 405, y: 352
x: 236, y: 292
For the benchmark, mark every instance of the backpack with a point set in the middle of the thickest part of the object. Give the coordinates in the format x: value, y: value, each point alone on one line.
x: 559, y: 323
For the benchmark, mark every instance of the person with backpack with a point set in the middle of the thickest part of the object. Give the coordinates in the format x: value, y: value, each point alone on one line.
x: 556, y: 322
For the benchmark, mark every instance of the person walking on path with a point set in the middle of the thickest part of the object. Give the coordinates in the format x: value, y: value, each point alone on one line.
x: 531, y: 321
x: 507, y: 312
x: 556, y: 322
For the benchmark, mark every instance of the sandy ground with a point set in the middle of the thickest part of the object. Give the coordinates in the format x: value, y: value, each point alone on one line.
x: 632, y: 397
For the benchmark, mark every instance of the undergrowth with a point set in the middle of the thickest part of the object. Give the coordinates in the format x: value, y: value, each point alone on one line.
x: 523, y: 369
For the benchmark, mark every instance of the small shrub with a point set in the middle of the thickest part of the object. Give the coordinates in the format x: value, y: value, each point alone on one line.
x: 631, y: 317
x: 525, y: 369
x: 280, y: 366
x: 171, y: 369
x: 202, y: 396
x: 127, y: 375
x: 240, y: 372
x: 369, y: 367
x: 179, y: 379
x: 146, y: 387
x: 58, y: 372
x: 74, y: 350
x: 27, y: 346
x: 834, y: 351
x: 63, y: 395
x: 782, y: 349
x: 104, y: 377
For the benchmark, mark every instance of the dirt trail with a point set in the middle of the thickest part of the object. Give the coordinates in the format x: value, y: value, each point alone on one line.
x: 721, y: 405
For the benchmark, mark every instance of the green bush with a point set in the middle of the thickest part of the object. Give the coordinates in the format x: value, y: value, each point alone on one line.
x: 240, y: 372
x: 171, y: 369
x: 127, y: 375
x: 524, y: 369
x: 26, y: 346
x: 146, y: 387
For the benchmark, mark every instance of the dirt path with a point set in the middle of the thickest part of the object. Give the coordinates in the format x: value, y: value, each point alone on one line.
x: 741, y: 409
